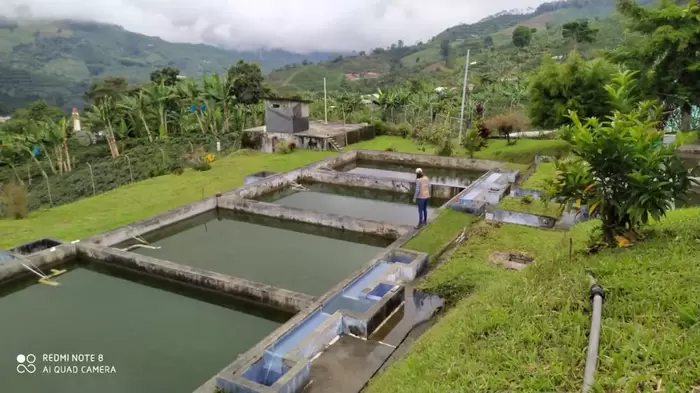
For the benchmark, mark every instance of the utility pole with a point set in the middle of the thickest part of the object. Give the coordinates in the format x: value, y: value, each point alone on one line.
x: 325, y: 102
x: 464, y: 97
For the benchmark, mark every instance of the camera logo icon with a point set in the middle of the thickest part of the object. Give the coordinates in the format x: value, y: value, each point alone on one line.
x: 25, y: 364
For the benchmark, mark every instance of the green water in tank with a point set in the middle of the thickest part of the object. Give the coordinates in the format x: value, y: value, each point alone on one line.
x: 298, y: 257
x: 150, y: 338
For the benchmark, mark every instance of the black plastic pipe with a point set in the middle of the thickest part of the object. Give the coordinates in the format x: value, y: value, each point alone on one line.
x: 597, y: 296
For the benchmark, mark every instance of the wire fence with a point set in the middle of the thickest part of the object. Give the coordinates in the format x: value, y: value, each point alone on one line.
x: 94, y: 171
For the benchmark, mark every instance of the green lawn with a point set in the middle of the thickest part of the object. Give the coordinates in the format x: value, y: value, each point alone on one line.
x: 535, y: 206
x: 523, y: 152
x: 544, y: 171
x: 440, y: 232
x: 528, y: 331
x: 137, y: 201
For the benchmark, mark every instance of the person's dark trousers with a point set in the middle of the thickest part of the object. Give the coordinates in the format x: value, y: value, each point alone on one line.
x: 422, y: 211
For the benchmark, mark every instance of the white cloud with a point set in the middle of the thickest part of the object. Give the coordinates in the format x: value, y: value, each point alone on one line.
x: 302, y: 25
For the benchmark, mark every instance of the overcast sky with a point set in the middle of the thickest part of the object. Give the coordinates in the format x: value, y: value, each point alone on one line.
x: 301, y: 25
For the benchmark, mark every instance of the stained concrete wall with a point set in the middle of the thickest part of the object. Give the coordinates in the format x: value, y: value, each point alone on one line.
x: 363, y: 325
x: 278, y: 298
x: 275, y: 182
x: 378, y: 228
x: 43, y: 260
x: 428, y: 160
x: 320, y: 338
x: 521, y: 218
x: 138, y: 228
x: 378, y: 183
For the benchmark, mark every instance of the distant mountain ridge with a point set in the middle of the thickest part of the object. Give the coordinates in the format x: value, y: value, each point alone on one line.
x: 55, y: 60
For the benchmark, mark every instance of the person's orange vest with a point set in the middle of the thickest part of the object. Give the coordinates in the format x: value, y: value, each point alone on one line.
x: 423, y: 188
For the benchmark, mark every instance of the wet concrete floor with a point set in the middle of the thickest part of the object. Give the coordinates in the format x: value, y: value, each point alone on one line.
x: 348, y: 364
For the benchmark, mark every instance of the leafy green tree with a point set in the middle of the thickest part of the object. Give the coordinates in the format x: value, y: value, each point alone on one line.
x: 445, y: 49
x: 248, y: 83
x: 668, y: 56
x: 621, y: 171
x: 113, y: 87
x: 575, y: 85
x: 522, y: 36
x: 165, y: 76
x: 488, y: 41
x: 579, y: 32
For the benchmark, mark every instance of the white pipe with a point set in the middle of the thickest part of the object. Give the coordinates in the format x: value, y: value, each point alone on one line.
x: 464, y: 96
x: 34, y: 271
x: 325, y: 102
x: 597, y: 295
x: 134, y: 246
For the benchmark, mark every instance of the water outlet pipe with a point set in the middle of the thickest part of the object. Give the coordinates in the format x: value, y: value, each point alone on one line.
x: 597, y: 295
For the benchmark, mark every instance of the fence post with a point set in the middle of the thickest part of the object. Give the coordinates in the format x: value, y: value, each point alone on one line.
x: 128, y: 161
x: 92, y: 179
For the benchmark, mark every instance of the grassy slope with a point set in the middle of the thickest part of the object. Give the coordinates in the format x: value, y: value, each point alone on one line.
x: 527, y: 332
x: 535, y: 206
x: 440, y: 232
x: 137, y: 201
x: 543, y: 172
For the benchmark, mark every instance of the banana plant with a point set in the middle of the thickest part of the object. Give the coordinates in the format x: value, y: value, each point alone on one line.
x: 160, y: 95
x: 137, y: 107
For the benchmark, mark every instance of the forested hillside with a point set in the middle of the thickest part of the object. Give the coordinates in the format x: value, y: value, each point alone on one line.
x: 443, y: 56
x: 56, y: 60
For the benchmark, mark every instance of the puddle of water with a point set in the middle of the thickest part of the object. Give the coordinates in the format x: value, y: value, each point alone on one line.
x: 270, y: 251
x: 364, y: 203
x: 444, y: 176
x: 158, y: 338
x: 418, y: 307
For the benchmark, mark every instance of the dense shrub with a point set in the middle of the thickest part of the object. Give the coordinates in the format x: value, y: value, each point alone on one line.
x: 14, y: 200
x: 292, y: 145
x: 385, y: 128
x: 404, y: 130
x: 507, y: 123
x: 202, y: 166
x: 282, y: 147
x: 176, y: 168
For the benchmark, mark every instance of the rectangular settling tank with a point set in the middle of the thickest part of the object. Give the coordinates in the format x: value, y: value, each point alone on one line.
x: 443, y: 176
x: 153, y: 336
x: 364, y: 203
x: 299, y: 257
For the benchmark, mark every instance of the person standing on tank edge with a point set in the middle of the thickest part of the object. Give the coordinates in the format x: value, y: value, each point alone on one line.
x: 422, y: 196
